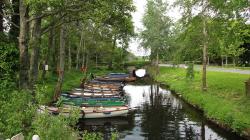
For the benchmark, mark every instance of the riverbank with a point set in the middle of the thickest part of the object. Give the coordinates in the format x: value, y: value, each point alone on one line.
x: 224, y: 103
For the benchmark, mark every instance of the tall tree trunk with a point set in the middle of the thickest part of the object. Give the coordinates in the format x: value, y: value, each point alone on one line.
x: 96, y: 59
x: 86, y: 60
x: 69, y: 56
x: 35, y: 41
x: 55, y: 57
x: 208, y: 61
x: 61, y: 63
x: 204, y: 62
x: 77, y: 57
x: 234, y: 61
x: 83, y: 52
x: 226, y: 61
x: 110, y: 66
x: 15, y: 21
x: 23, y: 47
x: 78, y: 52
x: 1, y: 17
x: 157, y: 63
x: 51, y: 45
x: 222, y: 61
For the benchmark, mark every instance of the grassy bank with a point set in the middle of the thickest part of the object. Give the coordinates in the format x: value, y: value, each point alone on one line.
x: 224, y: 102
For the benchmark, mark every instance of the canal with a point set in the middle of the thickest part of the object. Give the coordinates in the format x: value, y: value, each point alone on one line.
x: 158, y: 114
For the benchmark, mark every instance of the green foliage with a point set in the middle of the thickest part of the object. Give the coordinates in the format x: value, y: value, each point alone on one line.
x: 190, y: 71
x: 225, y: 101
x: 59, y: 101
x: 16, y: 112
x: 54, y: 127
x: 114, y: 136
x: 42, y: 95
x: 225, y: 30
x: 156, y: 35
x: 138, y: 64
x: 98, y: 136
x: 8, y: 63
x: 92, y: 136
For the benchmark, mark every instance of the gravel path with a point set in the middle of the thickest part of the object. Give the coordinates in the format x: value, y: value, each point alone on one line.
x: 199, y: 67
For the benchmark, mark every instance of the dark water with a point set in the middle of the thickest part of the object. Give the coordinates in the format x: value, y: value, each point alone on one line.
x: 159, y: 115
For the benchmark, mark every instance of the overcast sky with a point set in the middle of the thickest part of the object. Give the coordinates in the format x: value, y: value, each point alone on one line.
x: 134, y: 45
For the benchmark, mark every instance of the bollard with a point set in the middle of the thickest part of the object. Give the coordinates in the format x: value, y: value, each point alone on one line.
x: 35, y: 137
x: 247, y: 87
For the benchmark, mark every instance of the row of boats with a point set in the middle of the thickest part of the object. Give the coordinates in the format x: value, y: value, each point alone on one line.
x: 98, y: 98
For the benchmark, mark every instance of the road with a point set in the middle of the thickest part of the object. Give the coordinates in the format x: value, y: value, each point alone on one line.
x: 211, y: 68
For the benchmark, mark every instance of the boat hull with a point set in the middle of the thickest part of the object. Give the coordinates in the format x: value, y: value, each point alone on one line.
x: 90, y: 112
x: 106, y: 114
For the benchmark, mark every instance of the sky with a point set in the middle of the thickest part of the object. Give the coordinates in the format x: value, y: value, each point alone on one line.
x: 134, y: 45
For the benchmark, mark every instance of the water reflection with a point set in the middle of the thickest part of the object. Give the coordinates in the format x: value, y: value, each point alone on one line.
x: 159, y: 115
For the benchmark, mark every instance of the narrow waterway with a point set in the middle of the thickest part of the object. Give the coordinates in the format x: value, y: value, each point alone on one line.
x: 158, y: 115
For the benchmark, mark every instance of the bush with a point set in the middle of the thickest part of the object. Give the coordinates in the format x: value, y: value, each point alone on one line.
x: 137, y: 64
x: 50, y: 127
x: 190, y: 71
x: 98, y: 136
x: 92, y: 136
x: 16, y: 113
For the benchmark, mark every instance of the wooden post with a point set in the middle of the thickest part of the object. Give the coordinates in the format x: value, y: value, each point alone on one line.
x: 247, y: 87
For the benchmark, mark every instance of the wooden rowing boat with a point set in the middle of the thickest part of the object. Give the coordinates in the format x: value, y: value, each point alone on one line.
x: 93, y: 102
x: 118, y: 79
x: 90, y: 112
x: 105, y: 83
x: 96, y: 94
x: 106, y: 113
x: 102, y: 86
x: 66, y: 95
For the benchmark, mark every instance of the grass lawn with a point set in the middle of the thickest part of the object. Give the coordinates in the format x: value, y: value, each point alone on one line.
x: 226, y: 67
x: 225, y: 100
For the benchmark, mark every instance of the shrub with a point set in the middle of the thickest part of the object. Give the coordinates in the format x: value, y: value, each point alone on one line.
x: 16, y: 113
x: 50, y: 127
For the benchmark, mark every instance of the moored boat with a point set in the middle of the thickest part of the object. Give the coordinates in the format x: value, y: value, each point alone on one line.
x: 106, y: 114
x: 90, y: 112
x: 117, y: 77
x: 96, y: 94
x: 92, y: 103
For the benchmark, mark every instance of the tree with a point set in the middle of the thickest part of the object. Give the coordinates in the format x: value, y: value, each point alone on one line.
x: 15, y: 21
x: 156, y: 34
x: 210, y: 10
x: 34, y: 44
x: 61, y: 63
x: 1, y: 16
x: 23, y: 46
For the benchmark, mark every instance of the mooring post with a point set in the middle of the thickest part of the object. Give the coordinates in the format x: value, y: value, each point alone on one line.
x: 247, y: 87
x: 35, y: 137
